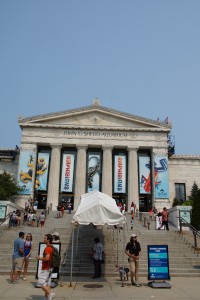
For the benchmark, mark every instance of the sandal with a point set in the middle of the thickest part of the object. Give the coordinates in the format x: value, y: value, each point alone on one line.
x: 24, y: 278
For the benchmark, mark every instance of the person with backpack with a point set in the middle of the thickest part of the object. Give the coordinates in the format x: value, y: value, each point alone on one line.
x: 44, y: 276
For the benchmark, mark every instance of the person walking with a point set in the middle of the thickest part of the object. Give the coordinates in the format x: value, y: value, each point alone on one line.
x: 44, y: 276
x: 42, y: 219
x: 17, y: 258
x: 165, y: 215
x: 97, y: 258
x: 133, y: 251
x: 28, y: 248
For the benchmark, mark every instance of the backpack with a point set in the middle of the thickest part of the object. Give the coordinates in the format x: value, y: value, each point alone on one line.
x: 56, y: 258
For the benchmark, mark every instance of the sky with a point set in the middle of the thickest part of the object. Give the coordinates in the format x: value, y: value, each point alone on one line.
x: 140, y: 57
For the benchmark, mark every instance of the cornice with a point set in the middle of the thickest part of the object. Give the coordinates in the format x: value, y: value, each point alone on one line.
x: 84, y: 127
x: 94, y: 108
x: 182, y: 156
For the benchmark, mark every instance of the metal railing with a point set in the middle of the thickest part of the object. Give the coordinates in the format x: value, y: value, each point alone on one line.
x: 147, y: 222
x: 195, y: 232
x: 3, y: 228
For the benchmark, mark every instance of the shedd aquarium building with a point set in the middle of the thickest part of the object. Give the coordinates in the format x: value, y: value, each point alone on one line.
x: 66, y: 154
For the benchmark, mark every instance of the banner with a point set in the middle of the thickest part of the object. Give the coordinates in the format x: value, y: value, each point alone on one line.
x: 26, y: 167
x: 145, y: 174
x: 120, y: 174
x: 161, y: 177
x: 67, y: 172
x: 93, y: 172
x: 42, y: 171
x: 158, y: 262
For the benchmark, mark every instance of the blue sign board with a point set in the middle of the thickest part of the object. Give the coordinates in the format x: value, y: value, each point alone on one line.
x: 158, y: 262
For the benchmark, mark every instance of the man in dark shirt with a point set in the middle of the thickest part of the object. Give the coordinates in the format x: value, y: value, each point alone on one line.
x: 133, y: 251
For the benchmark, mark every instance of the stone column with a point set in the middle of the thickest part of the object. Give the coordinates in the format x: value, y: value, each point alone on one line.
x: 54, y: 176
x: 34, y: 172
x: 133, y: 193
x: 80, y: 181
x: 107, y: 183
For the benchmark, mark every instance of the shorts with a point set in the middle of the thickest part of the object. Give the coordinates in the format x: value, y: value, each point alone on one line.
x: 17, y: 263
x: 42, y: 222
x: 44, y: 278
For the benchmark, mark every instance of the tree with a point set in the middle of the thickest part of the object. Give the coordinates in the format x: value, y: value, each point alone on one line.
x: 194, y: 190
x: 8, y: 186
x: 176, y: 202
x: 196, y: 211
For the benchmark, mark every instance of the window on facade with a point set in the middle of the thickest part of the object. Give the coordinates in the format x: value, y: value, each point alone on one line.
x: 180, y: 191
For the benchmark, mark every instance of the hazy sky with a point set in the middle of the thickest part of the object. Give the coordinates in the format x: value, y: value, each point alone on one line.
x: 141, y: 57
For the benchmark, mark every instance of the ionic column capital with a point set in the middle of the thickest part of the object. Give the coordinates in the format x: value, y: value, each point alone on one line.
x: 58, y: 146
x: 83, y: 147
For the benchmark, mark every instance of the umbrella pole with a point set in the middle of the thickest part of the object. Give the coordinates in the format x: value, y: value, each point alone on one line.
x: 72, y: 256
x: 117, y: 247
x: 123, y: 257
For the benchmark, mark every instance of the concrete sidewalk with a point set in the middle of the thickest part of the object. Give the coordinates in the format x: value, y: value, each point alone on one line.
x: 106, y: 288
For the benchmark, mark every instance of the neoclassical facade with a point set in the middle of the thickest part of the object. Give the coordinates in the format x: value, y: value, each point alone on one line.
x: 67, y: 154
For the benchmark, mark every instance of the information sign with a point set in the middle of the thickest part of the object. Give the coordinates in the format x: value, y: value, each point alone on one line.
x: 2, y: 212
x: 158, y: 262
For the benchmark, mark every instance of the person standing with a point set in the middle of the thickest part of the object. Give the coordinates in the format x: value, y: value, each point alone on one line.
x: 132, y: 207
x: 133, y: 251
x: 35, y: 205
x: 165, y: 215
x: 17, y: 258
x: 62, y: 210
x: 97, y: 258
x: 44, y: 276
x: 28, y: 248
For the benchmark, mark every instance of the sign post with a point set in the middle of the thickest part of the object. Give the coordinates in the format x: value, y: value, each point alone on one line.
x: 158, y: 266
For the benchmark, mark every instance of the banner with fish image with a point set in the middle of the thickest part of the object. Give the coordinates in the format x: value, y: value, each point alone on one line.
x: 94, y: 172
x: 42, y: 171
x: 25, y: 173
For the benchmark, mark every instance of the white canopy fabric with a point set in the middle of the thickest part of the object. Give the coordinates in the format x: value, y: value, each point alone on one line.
x: 99, y: 209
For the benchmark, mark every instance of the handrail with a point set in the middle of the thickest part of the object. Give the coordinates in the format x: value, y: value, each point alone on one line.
x: 193, y: 229
x: 5, y: 219
x: 2, y: 229
x: 148, y: 223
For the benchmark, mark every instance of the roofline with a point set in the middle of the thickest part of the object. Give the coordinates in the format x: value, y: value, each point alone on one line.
x: 94, y: 108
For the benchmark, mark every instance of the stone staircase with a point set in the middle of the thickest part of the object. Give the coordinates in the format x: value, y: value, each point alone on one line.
x: 183, y: 260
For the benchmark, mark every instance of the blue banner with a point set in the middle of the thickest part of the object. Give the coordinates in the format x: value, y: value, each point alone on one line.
x: 158, y: 262
x: 161, y: 177
x: 26, y: 167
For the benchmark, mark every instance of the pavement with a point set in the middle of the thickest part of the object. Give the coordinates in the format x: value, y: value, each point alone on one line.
x: 102, y: 288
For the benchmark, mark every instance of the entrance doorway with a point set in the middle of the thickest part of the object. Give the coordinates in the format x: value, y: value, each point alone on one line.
x: 145, y: 203
x: 42, y: 200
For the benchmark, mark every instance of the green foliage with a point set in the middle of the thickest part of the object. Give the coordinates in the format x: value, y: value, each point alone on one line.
x: 194, y: 191
x: 196, y: 210
x: 176, y: 202
x: 188, y: 203
x: 8, y: 186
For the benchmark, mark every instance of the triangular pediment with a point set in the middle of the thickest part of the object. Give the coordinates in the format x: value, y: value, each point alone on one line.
x: 91, y: 117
